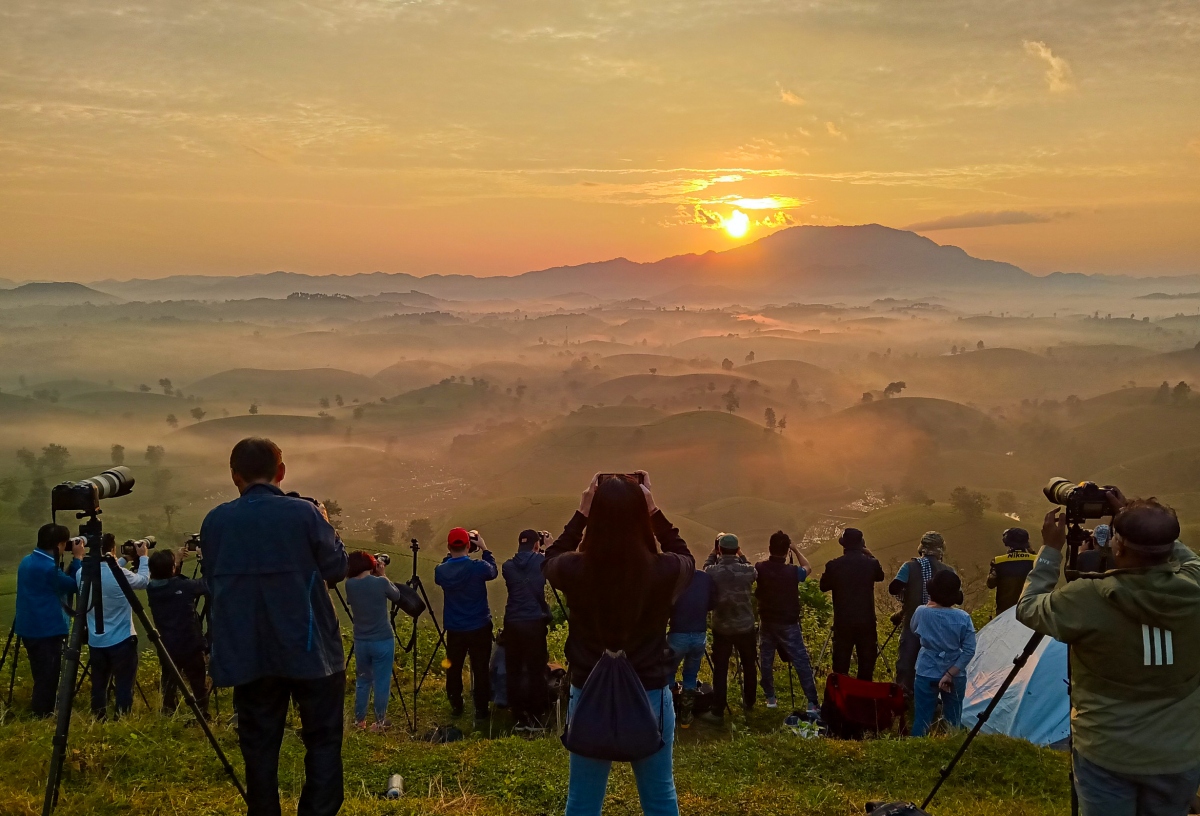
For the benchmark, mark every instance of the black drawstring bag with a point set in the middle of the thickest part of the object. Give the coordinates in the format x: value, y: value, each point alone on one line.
x: 613, y: 720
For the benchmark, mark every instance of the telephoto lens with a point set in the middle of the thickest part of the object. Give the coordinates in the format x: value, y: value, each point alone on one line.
x: 116, y: 481
x: 383, y: 558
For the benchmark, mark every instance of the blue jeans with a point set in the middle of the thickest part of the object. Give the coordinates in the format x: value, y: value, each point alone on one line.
x: 654, y: 774
x: 373, y: 666
x: 1110, y: 793
x: 788, y: 640
x: 687, y: 648
x: 925, y: 697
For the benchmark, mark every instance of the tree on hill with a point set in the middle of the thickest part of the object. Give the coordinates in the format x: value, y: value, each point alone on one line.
x: 117, y: 455
x: 731, y: 399
x: 971, y: 503
x: 1163, y: 394
x: 334, y: 510
x: 155, y: 455
x: 254, y: 408
x: 198, y: 413
x: 27, y: 458
x: 323, y: 402
x: 782, y: 424
x: 338, y: 399
x: 769, y: 419
x: 750, y: 357
x: 169, y: 510
x: 385, y: 533
x: 979, y: 345
x: 165, y: 385
x: 421, y: 529
x: 654, y: 371
x: 145, y: 389
x: 54, y: 458
x: 1181, y: 393
x: 894, y: 388
x: 868, y: 396
x: 172, y: 421
x: 727, y: 364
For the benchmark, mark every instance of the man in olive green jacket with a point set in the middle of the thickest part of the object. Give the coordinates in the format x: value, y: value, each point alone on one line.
x: 1134, y: 634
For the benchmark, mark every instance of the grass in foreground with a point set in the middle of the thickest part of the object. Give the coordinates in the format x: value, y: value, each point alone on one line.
x: 150, y: 765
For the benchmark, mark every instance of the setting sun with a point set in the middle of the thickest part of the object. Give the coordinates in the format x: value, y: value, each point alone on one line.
x: 736, y: 224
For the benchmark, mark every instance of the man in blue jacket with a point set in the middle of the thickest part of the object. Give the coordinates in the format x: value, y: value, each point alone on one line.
x: 41, y: 621
x: 467, y: 617
x: 268, y: 558
x: 526, y: 616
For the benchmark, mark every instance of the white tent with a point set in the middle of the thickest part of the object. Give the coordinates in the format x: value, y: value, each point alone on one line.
x: 1036, y: 706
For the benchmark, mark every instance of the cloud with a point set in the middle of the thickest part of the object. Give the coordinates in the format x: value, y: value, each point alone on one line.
x: 789, y: 98
x: 779, y: 219
x: 705, y: 218
x: 768, y: 203
x: 973, y: 220
x: 833, y: 130
x: 1058, y: 71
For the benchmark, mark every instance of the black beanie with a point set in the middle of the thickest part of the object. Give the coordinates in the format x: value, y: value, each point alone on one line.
x: 945, y: 588
x: 852, y: 539
x: 780, y: 542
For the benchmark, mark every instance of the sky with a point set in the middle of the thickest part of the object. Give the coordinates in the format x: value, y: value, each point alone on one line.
x: 145, y: 139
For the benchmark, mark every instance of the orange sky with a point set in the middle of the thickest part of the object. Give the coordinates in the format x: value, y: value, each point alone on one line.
x: 142, y: 140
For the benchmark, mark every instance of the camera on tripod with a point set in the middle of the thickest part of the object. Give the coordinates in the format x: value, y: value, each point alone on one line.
x: 1082, y: 501
x: 129, y: 548
x: 85, y: 496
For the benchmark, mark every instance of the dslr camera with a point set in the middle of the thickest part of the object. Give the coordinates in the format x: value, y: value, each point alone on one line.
x: 129, y: 548
x: 193, y: 542
x: 1082, y: 501
x: 383, y: 558
x: 85, y: 496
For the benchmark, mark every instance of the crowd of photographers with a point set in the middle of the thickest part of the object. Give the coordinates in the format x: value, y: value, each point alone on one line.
x: 638, y: 611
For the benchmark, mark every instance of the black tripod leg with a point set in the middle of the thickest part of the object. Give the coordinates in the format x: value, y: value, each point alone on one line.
x: 66, y: 696
x: 1018, y: 664
x: 12, y: 633
x: 173, y: 671
x: 87, y: 669
x: 142, y: 693
x: 12, y: 677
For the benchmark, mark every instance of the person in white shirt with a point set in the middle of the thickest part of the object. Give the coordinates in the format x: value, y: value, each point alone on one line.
x: 114, y: 654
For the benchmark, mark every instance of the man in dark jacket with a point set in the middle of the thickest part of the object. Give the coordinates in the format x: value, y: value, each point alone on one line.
x: 173, y: 601
x: 41, y: 621
x: 909, y: 587
x: 778, y: 593
x: 688, y: 639
x: 268, y: 558
x: 851, y: 577
x: 526, y: 617
x: 467, y: 617
x: 1007, y: 572
x: 732, y: 621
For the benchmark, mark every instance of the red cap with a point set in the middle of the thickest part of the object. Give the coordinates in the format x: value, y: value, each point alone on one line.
x: 458, y: 538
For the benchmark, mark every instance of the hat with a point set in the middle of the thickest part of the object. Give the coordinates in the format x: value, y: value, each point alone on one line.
x: 1102, y: 534
x: 528, y: 538
x: 945, y: 588
x: 932, y: 543
x: 851, y: 538
x: 727, y: 542
x: 458, y: 538
x: 1016, y: 537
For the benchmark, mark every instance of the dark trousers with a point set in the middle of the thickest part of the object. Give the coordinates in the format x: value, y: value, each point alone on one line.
x: 525, y: 658
x: 45, y: 662
x: 906, y: 658
x: 117, y: 663
x: 862, y: 639
x: 262, y: 708
x: 723, y: 648
x: 478, y: 645
x: 191, y: 666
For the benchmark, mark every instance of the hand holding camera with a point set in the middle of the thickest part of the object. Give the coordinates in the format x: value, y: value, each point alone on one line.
x: 477, y: 542
x: 78, y: 547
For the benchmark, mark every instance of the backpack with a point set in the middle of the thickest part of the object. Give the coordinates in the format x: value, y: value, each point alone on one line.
x: 613, y: 720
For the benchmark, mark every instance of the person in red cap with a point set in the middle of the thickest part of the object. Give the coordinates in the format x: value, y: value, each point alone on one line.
x: 467, y: 617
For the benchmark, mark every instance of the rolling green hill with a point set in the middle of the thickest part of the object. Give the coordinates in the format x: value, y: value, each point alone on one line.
x: 288, y: 387
x: 752, y: 520
x: 273, y: 425
x: 127, y: 402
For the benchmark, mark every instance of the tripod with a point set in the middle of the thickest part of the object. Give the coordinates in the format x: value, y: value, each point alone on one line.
x: 13, y: 638
x: 415, y: 583
x: 90, y: 596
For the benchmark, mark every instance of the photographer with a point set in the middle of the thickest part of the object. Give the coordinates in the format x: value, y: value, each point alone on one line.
x: 778, y: 593
x: 368, y: 592
x: 910, y: 588
x: 851, y: 577
x: 173, y: 601
x: 1007, y: 572
x: 732, y: 622
x: 41, y: 621
x: 1134, y: 637
x: 467, y: 617
x: 620, y: 590
x: 526, y: 617
x: 114, y: 654
x: 268, y: 558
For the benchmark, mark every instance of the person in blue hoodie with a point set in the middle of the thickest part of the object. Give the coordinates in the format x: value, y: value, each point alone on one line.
x: 467, y: 617
x: 526, y: 619
x: 41, y: 621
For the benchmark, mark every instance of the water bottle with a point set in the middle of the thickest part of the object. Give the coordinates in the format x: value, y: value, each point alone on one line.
x: 395, y: 786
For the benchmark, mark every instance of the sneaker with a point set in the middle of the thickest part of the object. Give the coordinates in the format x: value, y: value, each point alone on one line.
x: 772, y: 702
x: 814, y: 712
x: 713, y: 718
x: 687, y: 700
x: 379, y: 726
x: 361, y: 725
x: 456, y: 710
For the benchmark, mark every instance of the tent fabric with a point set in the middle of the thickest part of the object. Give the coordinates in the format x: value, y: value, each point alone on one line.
x: 1036, y: 706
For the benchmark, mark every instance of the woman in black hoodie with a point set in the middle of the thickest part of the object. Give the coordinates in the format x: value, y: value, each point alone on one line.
x: 620, y: 590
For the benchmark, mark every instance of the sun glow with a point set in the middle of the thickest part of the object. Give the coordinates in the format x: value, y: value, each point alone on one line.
x: 736, y: 224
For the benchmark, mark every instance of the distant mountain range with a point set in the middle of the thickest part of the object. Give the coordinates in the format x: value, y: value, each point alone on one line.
x: 53, y: 294
x: 795, y: 263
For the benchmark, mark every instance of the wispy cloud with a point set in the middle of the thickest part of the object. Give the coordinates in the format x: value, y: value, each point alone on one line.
x: 1059, y: 78
x: 789, y: 98
x: 834, y: 131
x: 973, y: 220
